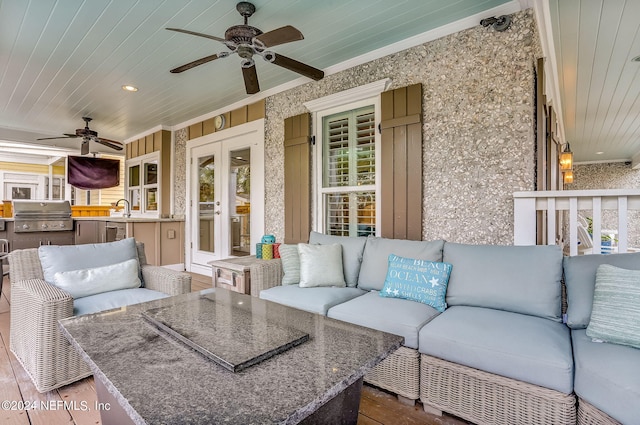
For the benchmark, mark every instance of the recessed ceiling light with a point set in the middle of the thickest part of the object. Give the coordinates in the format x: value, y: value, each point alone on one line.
x: 636, y: 59
x: 599, y: 153
x: 128, y: 87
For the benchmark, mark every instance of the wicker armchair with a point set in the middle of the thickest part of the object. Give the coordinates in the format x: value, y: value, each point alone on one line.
x: 36, y: 307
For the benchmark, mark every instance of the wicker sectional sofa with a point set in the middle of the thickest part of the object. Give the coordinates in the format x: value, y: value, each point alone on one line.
x: 36, y: 307
x: 500, y: 353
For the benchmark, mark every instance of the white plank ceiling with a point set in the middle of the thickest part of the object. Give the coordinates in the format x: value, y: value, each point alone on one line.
x: 64, y: 59
x: 595, y: 42
x: 61, y: 60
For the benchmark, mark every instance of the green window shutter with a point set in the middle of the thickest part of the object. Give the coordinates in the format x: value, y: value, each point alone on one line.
x: 297, y: 179
x: 401, y: 163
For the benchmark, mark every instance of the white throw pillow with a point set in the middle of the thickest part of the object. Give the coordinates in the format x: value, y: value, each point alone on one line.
x: 320, y: 265
x: 85, y: 282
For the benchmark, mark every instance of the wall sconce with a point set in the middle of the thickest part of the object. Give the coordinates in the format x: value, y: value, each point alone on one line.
x: 567, y: 177
x: 566, y: 159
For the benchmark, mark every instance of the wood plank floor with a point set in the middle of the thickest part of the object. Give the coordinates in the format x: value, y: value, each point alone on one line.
x: 76, y: 403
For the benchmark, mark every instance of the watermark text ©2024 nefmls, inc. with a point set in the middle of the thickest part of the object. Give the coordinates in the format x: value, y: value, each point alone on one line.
x: 82, y: 405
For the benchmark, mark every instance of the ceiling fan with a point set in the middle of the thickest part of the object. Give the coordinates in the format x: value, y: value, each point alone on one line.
x: 248, y: 41
x: 88, y: 135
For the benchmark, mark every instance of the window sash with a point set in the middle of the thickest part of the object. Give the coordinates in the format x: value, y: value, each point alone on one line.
x: 348, y: 191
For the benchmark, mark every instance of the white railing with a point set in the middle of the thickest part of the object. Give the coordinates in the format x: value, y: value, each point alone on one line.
x: 528, y: 204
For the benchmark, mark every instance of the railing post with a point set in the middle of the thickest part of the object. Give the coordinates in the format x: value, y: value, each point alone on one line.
x: 573, y: 226
x: 524, y: 216
x: 622, y: 224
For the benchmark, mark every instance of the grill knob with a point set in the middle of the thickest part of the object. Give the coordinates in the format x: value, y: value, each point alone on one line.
x: 62, y: 225
x: 45, y: 226
x: 25, y: 226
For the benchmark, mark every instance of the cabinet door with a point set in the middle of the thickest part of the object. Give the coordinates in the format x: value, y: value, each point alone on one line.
x: 86, y: 232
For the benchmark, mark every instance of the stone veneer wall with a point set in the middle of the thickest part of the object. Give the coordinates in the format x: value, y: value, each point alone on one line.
x: 478, y: 127
x: 180, y: 172
x: 613, y: 175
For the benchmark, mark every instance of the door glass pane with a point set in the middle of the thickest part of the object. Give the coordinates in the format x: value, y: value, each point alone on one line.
x: 206, y: 202
x: 240, y: 202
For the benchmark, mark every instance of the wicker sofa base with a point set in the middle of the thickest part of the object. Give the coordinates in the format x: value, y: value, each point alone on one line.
x: 398, y: 373
x: 485, y: 398
x: 590, y: 415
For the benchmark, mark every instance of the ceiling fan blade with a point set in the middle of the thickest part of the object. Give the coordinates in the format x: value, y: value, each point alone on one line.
x: 250, y: 77
x: 295, y: 66
x: 199, y: 34
x: 68, y: 136
x: 282, y: 35
x: 194, y: 64
x: 109, y: 143
x: 84, y: 148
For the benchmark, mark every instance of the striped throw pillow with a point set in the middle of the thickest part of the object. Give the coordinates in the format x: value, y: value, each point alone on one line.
x: 615, y: 316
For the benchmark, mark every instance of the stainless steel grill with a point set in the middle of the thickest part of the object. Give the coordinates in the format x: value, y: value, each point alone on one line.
x: 42, y: 216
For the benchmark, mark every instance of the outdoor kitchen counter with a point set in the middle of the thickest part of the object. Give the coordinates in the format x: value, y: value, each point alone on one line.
x: 127, y: 219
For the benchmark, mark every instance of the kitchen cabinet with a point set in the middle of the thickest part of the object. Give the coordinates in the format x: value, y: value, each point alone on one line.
x: 163, y: 241
x: 90, y: 231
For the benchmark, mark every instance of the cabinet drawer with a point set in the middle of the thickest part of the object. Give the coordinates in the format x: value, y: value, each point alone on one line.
x: 232, y: 280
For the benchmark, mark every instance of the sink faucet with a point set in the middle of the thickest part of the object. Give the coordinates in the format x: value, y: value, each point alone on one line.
x: 127, y: 209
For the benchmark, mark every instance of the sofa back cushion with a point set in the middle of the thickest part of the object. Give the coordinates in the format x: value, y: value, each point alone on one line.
x: 352, y: 249
x: 520, y: 279
x: 580, y: 280
x: 376, y: 256
x: 56, y: 259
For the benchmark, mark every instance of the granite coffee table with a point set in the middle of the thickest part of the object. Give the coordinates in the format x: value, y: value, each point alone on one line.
x: 218, y: 356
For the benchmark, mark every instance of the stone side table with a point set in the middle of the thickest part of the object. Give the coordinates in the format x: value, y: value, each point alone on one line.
x: 247, y: 275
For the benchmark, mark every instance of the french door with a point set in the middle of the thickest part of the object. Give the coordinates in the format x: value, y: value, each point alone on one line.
x: 226, y: 196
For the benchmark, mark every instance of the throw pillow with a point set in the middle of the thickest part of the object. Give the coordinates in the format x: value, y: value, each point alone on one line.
x: 352, y: 249
x: 290, y: 264
x: 615, y: 316
x: 82, y: 283
x: 417, y: 280
x: 320, y: 265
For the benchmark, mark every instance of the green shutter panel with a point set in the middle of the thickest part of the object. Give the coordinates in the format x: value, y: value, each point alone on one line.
x: 401, y: 163
x: 297, y: 179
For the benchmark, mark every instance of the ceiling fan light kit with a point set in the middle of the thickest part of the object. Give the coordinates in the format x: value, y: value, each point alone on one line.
x: 248, y: 41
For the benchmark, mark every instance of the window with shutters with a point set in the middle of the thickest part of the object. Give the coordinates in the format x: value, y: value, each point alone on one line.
x: 348, y: 189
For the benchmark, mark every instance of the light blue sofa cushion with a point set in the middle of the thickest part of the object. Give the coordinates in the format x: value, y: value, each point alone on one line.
x: 520, y: 279
x: 352, y: 249
x: 392, y: 315
x: 513, y: 345
x: 580, y: 280
x: 114, y: 299
x: 56, y: 258
x: 376, y: 255
x: 315, y: 300
x: 607, y: 376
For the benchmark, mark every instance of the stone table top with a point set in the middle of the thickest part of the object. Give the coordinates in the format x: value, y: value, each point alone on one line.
x: 160, y: 380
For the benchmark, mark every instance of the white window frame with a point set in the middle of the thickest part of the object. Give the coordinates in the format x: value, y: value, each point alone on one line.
x: 142, y: 187
x: 348, y: 100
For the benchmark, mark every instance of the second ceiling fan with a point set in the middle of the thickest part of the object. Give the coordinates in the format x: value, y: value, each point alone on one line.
x: 248, y: 41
